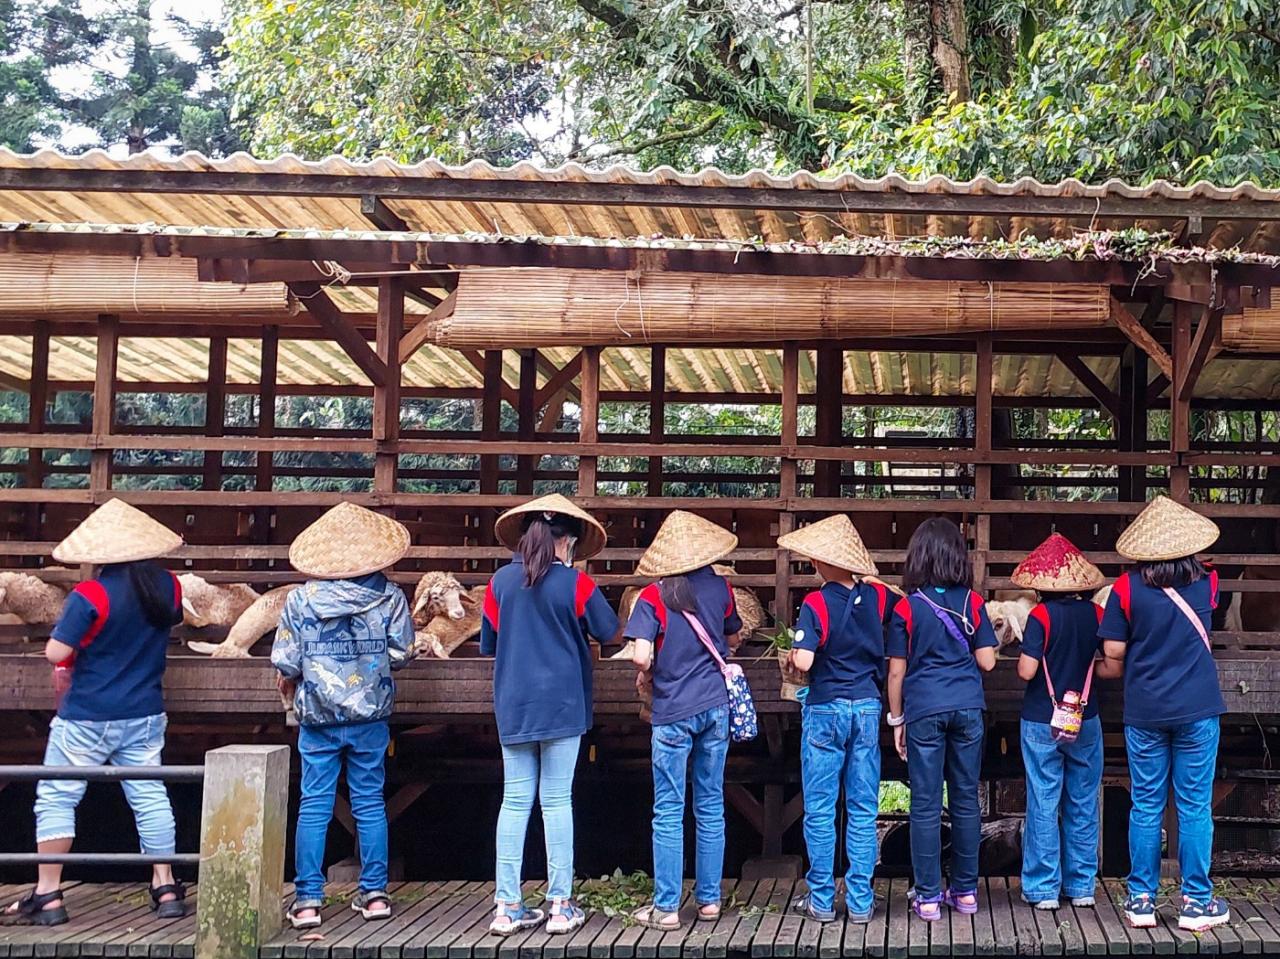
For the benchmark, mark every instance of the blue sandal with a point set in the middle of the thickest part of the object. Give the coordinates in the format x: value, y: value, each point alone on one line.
x: 515, y: 917
x: 565, y: 917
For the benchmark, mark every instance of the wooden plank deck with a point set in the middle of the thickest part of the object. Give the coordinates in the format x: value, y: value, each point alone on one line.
x: 448, y: 920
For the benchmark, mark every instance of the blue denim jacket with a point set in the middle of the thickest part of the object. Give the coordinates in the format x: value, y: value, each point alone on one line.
x: 340, y: 640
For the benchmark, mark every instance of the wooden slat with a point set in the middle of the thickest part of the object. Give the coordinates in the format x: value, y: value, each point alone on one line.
x: 1003, y: 929
x: 896, y: 920
x: 984, y: 942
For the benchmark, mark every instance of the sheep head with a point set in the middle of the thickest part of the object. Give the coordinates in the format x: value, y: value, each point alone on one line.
x: 1008, y: 619
x: 440, y: 594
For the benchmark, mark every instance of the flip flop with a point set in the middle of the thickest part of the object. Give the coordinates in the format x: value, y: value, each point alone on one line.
x: 651, y: 917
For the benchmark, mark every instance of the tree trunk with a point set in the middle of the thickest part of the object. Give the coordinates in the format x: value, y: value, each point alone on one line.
x: 950, y: 47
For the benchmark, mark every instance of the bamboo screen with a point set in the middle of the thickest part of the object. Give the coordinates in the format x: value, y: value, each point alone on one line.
x: 1254, y: 330
x: 525, y: 307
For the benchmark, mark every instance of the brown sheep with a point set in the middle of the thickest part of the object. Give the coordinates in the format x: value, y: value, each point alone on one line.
x: 444, y: 614
x: 30, y: 599
x: 262, y: 617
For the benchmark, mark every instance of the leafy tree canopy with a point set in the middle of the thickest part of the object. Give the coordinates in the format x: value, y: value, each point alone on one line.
x: 1050, y: 88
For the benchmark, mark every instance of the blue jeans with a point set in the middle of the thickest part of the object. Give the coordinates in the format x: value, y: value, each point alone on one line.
x: 1187, y: 754
x: 116, y: 742
x: 841, y: 746
x: 1060, y: 841
x: 324, y: 750
x: 945, y: 746
x: 545, y: 768
x: 705, y: 737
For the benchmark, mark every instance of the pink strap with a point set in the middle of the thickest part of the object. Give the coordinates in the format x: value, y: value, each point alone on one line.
x: 701, y: 632
x: 1044, y: 665
x: 1190, y: 613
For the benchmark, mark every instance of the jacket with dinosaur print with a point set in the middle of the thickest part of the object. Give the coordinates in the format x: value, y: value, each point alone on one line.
x: 339, y: 641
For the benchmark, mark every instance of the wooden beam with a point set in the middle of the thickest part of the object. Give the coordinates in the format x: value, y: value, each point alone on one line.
x: 559, y: 381
x: 343, y: 332
x: 373, y: 209
x: 14, y: 384
x: 480, y: 363
x: 1091, y: 382
x: 657, y: 413
x: 589, y: 428
x: 418, y: 337
x: 490, y: 424
x: 1156, y: 387
x: 828, y: 422
x: 215, y: 410
x: 1208, y: 341
x: 104, y: 399
x: 386, y: 395
x: 1142, y: 339
x: 525, y: 412
x: 267, y: 403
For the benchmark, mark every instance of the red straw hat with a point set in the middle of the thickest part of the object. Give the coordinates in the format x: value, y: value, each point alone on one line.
x: 1057, y: 566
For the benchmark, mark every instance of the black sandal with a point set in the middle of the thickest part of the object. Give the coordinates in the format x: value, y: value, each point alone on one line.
x: 175, y: 908
x: 31, y: 911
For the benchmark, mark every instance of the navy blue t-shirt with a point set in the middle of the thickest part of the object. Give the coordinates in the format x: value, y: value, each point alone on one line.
x: 848, y: 650
x: 686, y: 680
x: 542, y: 676
x: 1170, y: 677
x: 1069, y: 628
x: 942, y: 674
x: 118, y: 672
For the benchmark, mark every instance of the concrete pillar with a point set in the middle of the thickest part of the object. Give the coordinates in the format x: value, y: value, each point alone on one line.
x: 242, y: 841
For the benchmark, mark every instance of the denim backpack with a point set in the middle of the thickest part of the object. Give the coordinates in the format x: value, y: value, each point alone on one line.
x: 743, y: 726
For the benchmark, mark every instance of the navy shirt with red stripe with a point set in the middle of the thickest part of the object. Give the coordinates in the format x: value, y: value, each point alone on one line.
x: 542, y: 677
x: 848, y: 660
x: 686, y: 680
x: 942, y: 675
x: 1170, y: 677
x: 118, y: 671
x: 1063, y: 632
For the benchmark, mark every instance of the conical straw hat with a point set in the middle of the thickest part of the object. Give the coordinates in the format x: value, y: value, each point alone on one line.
x: 510, y: 524
x: 116, y: 532
x: 1166, y: 530
x: 1057, y: 566
x: 685, y: 542
x: 348, y: 541
x: 832, y: 540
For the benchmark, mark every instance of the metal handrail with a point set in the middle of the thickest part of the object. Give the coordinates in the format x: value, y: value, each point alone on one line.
x: 32, y: 773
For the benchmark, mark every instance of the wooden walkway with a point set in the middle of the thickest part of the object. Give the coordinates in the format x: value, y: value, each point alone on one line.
x: 448, y: 920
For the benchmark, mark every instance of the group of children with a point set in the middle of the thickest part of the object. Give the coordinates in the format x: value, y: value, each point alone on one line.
x: 348, y: 628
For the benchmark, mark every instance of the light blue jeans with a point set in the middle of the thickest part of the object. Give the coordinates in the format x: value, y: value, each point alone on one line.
x: 117, y: 742
x: 1186, y: 754
x: 841, y: 746
x: 1060, y: 841
x: 362, y: 748
x: 705, y: 737
x: 546, y: 769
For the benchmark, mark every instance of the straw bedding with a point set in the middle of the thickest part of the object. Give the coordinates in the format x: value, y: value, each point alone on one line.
x: 525, y: 307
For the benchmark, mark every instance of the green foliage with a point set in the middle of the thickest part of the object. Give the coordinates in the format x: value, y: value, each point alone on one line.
x: 618, y: 894
x: 140, y: 92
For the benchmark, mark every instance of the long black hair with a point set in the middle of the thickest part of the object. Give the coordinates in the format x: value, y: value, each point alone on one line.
x: 537, y: 546
x: 1172, y: 572
x: 677, y: 593
x: 936, y: 556
x: 153, y: 586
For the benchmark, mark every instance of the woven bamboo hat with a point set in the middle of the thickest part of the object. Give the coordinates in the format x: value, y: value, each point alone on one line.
x: 510, y: 524
x: 1166, y: 530
x: 1057, y: 566
x: 116, y: 532
x: 348, y: 541
x: 685, y: 542
x: 832, y: 540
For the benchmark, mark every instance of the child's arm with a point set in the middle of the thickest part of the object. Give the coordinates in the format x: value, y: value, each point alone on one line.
x: 400, y: 636
x: 1111, y: 665
x: 601, y: 620
x: 893, y: 690
x: 489, y: 623
x: 985, y: 643
x: 804, y: 648
x: 1033, y: 643
x: 286, y: 651
x: 1113, y: 631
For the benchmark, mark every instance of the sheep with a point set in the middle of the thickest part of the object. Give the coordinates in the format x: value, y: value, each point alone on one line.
x: 444, y: 614
x: 204, y: 604
x: 30, y: 599
x: 1008, y: 613
x: 262, y: 616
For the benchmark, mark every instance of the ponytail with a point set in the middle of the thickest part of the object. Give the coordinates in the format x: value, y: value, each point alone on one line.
x: 154, y: 588
x: 677, y: 594
x: 537, y: 546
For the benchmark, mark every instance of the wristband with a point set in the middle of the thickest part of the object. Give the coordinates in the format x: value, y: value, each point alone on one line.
x: 896, y: 721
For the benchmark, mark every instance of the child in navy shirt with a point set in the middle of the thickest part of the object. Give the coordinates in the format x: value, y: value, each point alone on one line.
x: 1156, y: 631
x: 839, y: 642
x: 538, y: 613
x: 690, y: 704
x: 940, y: 641
x: 1064, y: 773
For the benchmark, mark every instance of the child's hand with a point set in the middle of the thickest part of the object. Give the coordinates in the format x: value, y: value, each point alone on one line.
x: 900, y: 741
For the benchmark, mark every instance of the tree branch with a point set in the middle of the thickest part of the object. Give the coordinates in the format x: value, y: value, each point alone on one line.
x: 662, y: 139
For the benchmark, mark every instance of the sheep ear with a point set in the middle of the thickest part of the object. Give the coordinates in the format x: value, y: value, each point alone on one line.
x: 469, y: 600
x: 422, y: 601
x: 190, y: 610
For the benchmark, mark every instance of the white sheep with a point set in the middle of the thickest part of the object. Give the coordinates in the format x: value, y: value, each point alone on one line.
x: 445, y: 615
x: 262, y: 617
x: 30, y: 599
x: 207, y: 604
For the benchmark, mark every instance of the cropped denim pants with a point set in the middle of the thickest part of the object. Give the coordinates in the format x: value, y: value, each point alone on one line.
x: 544, y: 769
x: 116, y: 742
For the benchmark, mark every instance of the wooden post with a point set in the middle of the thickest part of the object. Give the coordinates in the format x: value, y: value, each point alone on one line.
x: 267, y: 403
x: 215, y: 410
x: 37, y: 401
x: 242, y: 840
x: 1131, y: 425
x: 527, y: 424
x: 982, y: 430
x: 657, y: 412
x: 490, y: 419
x: 104, y: 402
x: 1180, y: 409
x: 829, y: 421
x: 589, y: 428
x: 386, y: 398
x: 787, y: 479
